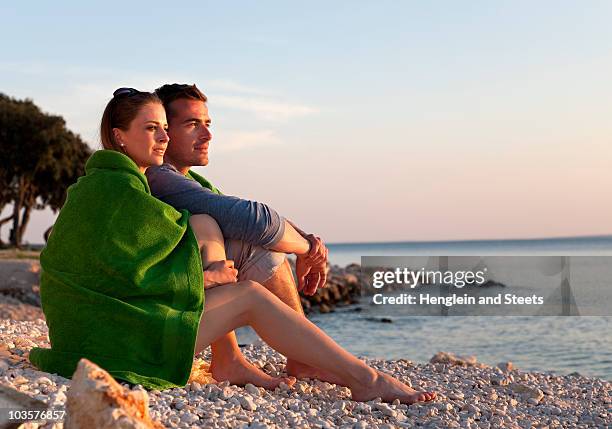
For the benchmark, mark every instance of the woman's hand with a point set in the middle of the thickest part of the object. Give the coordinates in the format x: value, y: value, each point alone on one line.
x: 219, y: 273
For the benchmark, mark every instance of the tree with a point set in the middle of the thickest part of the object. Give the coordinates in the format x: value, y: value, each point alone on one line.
x: 39, y: 159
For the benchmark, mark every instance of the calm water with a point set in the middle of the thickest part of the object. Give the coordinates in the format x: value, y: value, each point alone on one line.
x: 343, y: 254
x: 559, y: 344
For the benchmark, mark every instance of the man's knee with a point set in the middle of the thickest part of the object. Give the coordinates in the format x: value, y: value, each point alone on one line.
x: 280, y: 263
x: 253, y: 262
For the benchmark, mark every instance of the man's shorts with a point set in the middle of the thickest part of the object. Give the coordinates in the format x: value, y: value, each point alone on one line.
x: 253, y: 262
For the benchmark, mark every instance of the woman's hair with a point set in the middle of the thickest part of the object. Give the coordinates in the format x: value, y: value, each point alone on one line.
x: 120, y: 112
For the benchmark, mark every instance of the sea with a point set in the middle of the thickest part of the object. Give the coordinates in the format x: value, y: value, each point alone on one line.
x: 555, y: 344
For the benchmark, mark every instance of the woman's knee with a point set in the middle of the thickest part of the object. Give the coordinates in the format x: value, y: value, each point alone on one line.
x: 202, y: 222
x: 249, y: 286
x: 204, y: 227
x: 255, y: 291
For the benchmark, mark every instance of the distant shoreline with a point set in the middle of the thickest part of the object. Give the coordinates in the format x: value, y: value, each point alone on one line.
x: 39, y: 246
x: 475, y: 241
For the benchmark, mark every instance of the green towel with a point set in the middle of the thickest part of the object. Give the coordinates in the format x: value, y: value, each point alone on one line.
x: 121, y: 280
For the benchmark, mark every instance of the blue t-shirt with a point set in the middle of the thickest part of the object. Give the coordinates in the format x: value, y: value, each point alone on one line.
x: 239, y: 219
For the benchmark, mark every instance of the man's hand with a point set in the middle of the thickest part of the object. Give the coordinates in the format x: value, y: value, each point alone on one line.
x: 318, y: 251
x: 302, y: 268
x: 310, y: 277
x: 316, y: 278
x: 311, y: 267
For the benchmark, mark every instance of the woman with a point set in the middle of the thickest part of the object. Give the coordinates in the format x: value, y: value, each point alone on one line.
x: 122, y: 280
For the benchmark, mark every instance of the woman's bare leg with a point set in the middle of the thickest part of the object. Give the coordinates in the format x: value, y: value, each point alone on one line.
x: 249, y: 303
x: 210, y: 239
x: 228, y: 363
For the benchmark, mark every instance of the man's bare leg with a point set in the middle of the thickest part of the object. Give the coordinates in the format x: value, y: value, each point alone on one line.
x: 227, y: 363
x: 283, y: 286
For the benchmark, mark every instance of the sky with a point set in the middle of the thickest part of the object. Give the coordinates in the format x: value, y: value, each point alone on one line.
x: 359, y: 121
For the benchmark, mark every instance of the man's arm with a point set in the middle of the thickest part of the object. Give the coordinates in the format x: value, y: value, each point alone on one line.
x: 250, y: 221
x: 289, y: 243
x: 292, y: 241
x: 318, y: 251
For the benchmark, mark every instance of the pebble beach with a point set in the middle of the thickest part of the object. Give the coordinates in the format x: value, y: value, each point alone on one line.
x: 471, y: 394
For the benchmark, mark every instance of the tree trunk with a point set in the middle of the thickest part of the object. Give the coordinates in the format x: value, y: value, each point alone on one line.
x: 2, y: 222
x: 15, y: 238
x: 47, y: 233
x: 24, y: 221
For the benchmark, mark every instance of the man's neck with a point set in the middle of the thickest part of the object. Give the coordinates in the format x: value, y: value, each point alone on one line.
x: 183, y: 169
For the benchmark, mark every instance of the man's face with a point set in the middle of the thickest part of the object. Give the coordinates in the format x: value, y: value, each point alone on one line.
x: 188, y: 129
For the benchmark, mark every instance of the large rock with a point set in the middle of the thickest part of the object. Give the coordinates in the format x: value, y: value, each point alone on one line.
x: 96, y: 400
x: 452, y: 359
x: 506, y: 366
x: 351, y: 279
x: 200, y: 372
x: 527, y: 392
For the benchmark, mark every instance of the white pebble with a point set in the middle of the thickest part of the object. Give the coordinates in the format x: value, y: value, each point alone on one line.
x: 385, y: 409
x: 253, y: 390
x: 247, y: 403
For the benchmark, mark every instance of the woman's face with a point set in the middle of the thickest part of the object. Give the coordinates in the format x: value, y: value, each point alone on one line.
x: 146, y: 139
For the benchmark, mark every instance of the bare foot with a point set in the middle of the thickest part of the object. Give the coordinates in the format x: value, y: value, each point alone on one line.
x: 301, y: 370
x: 389, y: 389
x: 239, y: 371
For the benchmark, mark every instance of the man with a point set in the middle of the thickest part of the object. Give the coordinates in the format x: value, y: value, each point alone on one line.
x: 257, y: 237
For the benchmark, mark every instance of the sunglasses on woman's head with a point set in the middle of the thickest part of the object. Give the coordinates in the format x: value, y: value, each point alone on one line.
x: 125, y: 91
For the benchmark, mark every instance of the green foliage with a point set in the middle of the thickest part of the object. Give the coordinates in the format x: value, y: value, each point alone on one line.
x: 39, y: 159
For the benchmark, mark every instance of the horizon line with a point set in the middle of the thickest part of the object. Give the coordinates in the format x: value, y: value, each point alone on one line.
x: 570, y: 237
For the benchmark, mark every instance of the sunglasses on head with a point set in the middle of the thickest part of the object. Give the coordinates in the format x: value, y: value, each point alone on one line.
x: 125, y: 91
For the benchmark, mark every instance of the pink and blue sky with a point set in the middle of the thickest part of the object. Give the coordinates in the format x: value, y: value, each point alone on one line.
x: 360, y: 121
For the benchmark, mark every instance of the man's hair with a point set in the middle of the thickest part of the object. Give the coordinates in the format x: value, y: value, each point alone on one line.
x: 175, y: 91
